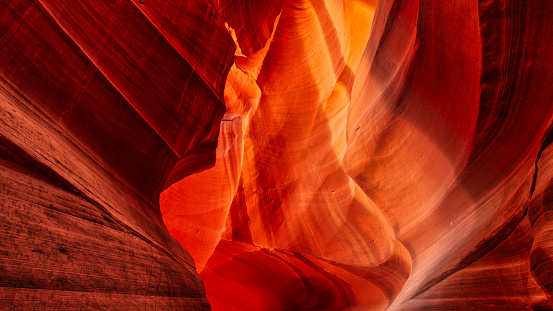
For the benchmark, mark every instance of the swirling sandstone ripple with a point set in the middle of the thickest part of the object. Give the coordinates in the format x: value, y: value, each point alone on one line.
x: 276, y: 155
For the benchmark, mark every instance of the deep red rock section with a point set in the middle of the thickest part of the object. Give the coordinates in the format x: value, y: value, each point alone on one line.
x: 98, y: 102
x: 308, y: 155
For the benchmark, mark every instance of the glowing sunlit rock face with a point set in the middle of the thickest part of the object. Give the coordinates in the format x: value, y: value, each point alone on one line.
x: 276, y: 155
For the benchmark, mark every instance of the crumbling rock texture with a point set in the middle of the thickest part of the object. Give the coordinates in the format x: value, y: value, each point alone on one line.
x: 276, y: 155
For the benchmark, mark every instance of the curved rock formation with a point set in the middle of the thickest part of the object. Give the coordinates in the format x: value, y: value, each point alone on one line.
x: 98, y: 103
x: 382, y: 163
x: 308, y: 155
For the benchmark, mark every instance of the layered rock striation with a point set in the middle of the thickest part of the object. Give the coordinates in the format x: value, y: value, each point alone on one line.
x: 276, y: 155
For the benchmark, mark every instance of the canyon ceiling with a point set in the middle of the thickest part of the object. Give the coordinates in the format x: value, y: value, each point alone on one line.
x: 276, y: 155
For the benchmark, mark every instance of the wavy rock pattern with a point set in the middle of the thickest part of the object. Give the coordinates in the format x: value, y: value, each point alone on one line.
x: 98, y: 102
x: 350, y: 155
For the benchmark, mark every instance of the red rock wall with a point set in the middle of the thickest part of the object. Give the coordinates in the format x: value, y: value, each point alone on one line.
x: 388, y: 161
x: 369, y: 155
x: 98, y: 102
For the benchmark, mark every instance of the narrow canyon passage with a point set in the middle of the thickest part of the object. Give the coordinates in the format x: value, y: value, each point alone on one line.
x: 276, y: 155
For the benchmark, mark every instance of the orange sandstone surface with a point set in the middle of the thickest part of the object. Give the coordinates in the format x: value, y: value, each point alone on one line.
x: 276, y: 155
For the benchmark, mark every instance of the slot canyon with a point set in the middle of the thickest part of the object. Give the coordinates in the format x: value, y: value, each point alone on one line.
x: 252, y: 155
